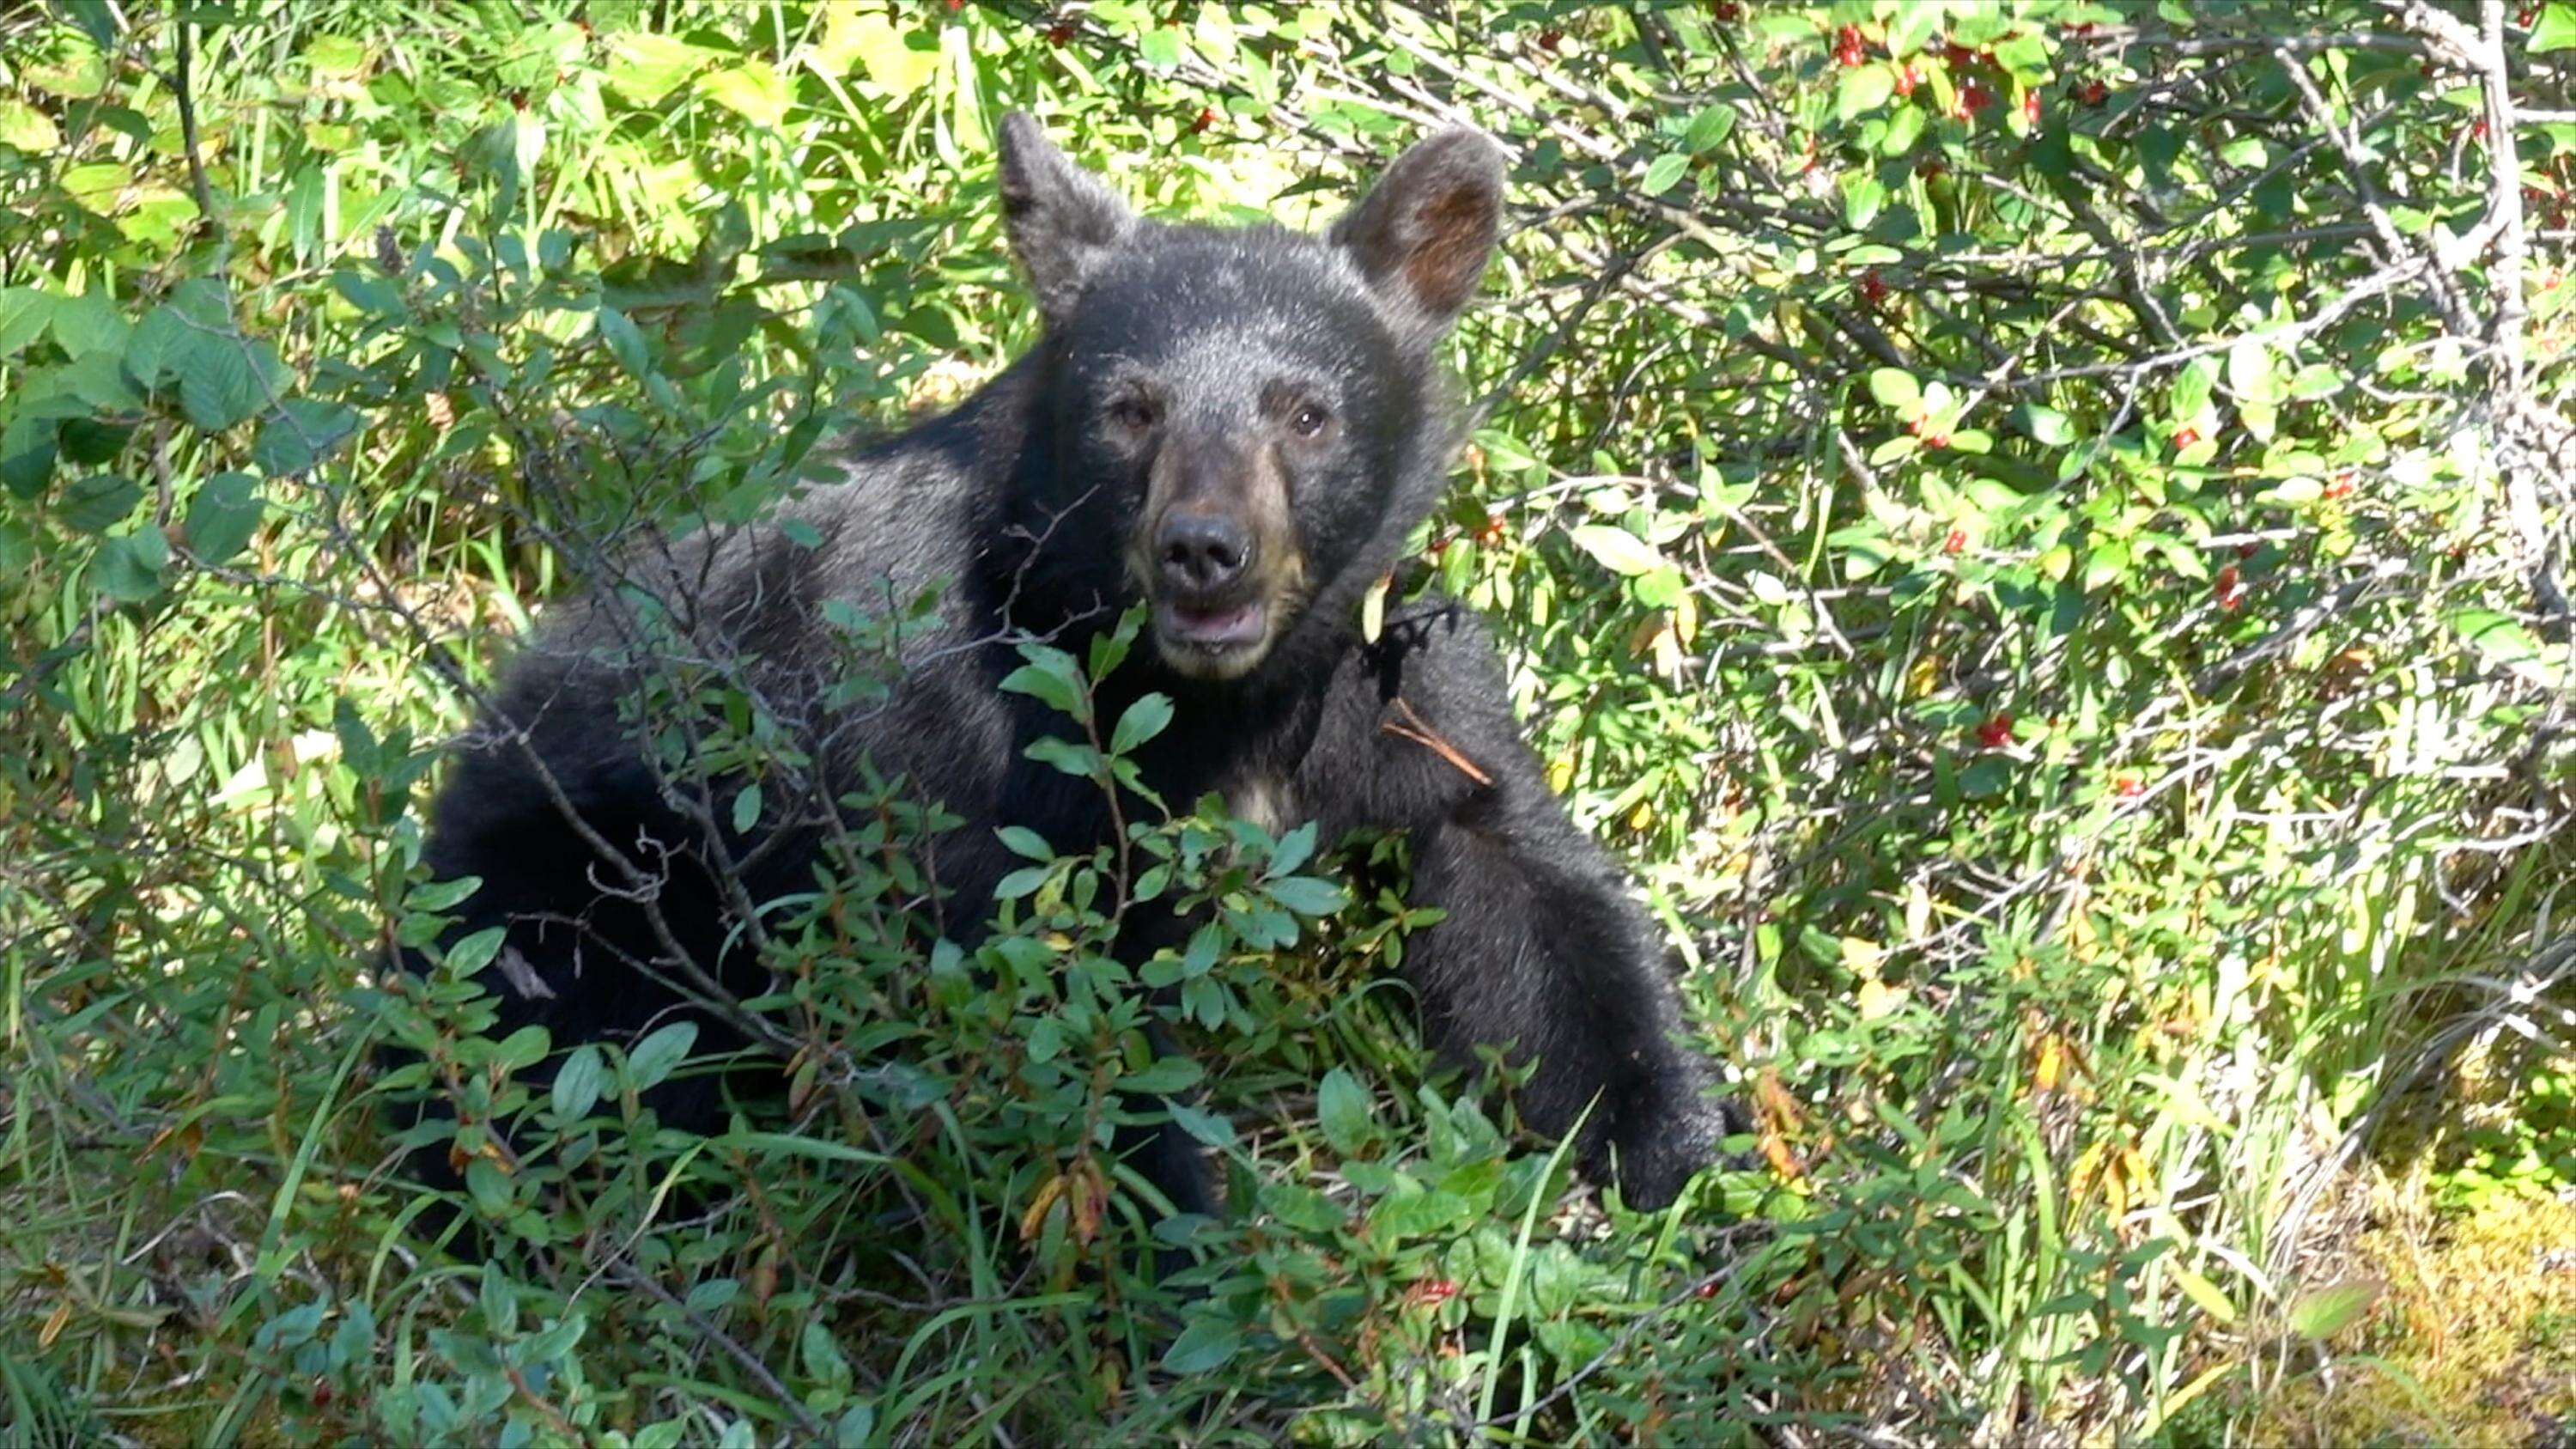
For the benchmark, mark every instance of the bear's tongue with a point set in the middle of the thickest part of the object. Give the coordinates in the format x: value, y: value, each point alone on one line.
x: 1239, y: 624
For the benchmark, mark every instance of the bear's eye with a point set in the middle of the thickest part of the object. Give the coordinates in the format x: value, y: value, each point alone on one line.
x: 1309, y: 419
x: 1134, y: 414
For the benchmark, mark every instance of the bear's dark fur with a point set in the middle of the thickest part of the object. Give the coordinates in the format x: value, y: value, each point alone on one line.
x: 1236, y: 427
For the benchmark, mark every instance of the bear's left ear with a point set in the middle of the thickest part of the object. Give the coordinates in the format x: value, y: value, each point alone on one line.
x: 1060, y: 218
x: 1423, y: 234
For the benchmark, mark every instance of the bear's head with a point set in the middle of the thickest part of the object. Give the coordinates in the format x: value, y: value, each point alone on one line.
x: 1253, y: 415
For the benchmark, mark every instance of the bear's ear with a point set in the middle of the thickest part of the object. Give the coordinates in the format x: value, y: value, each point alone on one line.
x: 1423, y: 233
x: 1060, y: 218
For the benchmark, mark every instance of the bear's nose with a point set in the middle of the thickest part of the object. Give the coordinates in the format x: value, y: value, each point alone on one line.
x: 1203, y: 552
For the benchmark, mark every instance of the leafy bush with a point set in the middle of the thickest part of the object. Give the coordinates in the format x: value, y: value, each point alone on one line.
x: 2038, y: 528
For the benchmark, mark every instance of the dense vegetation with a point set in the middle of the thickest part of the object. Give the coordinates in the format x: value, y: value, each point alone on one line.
x: 2040, y: 530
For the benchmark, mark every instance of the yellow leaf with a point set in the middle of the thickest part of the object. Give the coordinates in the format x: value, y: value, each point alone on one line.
x: 1032, y: 1221
x: 2050, y: 1067
x: 1560, y: 774
x: 757, y: 93
x: 882, y: 50
x: 2205, y: 1293
x: 28, y: 129
x: 1373, y: 608
x: 1863, y: 956
x: 1877, y: 999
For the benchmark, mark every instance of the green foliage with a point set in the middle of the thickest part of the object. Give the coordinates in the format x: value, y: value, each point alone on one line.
x: 2033, y: 526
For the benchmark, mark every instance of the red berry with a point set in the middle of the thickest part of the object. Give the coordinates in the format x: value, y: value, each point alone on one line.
x: 1955, y: 542
x: 2094, y: 93
x: 1847, y: 45
x: 1873, y: 287
x: 1726, y: 12
x: 1995, y: 733
x: 1937, y: 440
x: 1707, y: 1289
x: 1549, y: 40
x: 1973, y: 97
x: 1432, y: 1292
x: 2128, y: 787
x: 1907, y: 79
x: 2479, y: 131
x: 2248, y: 550
x: 1915, y: 427
x: 2341, y: 487
x: 2079, y: 29
x: 2229, y: 587
x: 2185, y: 437
x: 2030, y: 107
x: 1957, y: 56
x: 1204, y: 119
x: 1060, y: 33
x: 1492, y: 532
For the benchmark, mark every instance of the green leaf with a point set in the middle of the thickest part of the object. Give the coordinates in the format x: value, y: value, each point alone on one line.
x: 223, y: 516
x: 746, y: 808
x: 1662, y: 172
x: 156, y: 340
x: 624, y: 342
x: 24, y: 314
x: 90, y: 324
x: 1617, y: 550
x: 2321, y: 1313
x: 129, y: 565
x: 2556, y: 29
x: 1167, y: 1074
x: 2502, y: 638
x: 1343, y: 1110
x: 1864, y: 88
x: 655, y: 1056
x: 1053, y: 688
x: 302, y: 432
x: 577, y: 1083
x: 372, y: 295
x: 521, y: 1049
x: 1204, y: 1346
x: 1025, y: 843
x: 1894, y: 387
x: 1306, y: 895
x: 1710, y: 126
x: 99, y: 502
x: 1143, y: 720
x: 224, y: 379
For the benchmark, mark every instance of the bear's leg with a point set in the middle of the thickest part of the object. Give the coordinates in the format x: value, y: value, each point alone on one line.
x: 1541, y: 951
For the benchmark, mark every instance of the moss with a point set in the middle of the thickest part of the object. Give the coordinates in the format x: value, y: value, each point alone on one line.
x: 2472, y: 1343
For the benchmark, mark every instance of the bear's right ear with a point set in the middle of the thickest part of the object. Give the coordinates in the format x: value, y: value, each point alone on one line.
x: 1423, y: 234
x: 1060, y: 218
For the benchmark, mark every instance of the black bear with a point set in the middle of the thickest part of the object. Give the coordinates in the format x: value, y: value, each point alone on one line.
x: 1236, y: 428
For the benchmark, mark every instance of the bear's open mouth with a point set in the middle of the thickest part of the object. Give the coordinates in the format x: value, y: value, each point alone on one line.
x: 1229, y: 626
